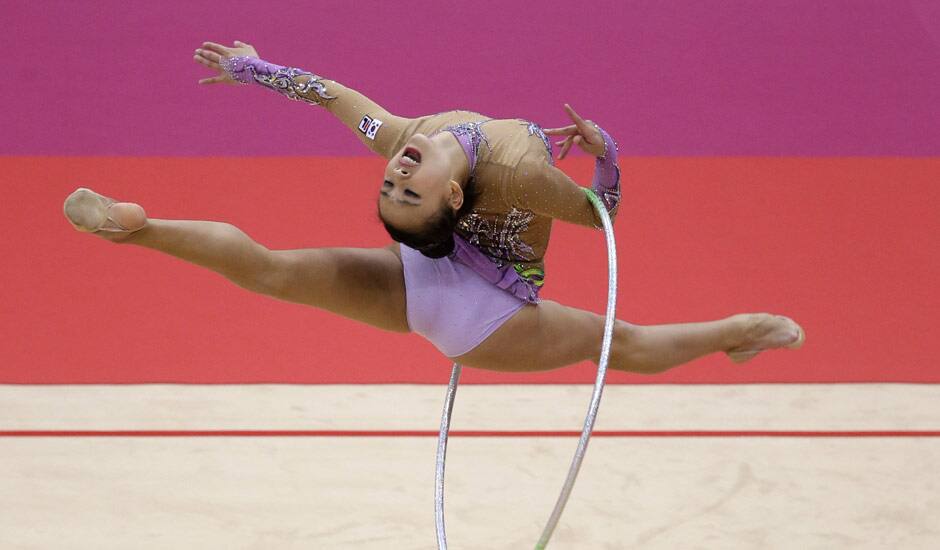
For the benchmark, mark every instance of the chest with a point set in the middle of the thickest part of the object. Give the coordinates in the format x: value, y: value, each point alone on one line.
x: 512, y: 235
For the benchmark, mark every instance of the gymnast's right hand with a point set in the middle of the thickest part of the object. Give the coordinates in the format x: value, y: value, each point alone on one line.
x: 210, y: 54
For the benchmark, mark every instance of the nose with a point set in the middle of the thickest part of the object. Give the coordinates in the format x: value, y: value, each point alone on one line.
x: 396, y: 194
x: 403, y: 171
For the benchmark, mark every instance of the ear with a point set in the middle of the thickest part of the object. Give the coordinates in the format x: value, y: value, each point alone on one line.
x: 456, y: 195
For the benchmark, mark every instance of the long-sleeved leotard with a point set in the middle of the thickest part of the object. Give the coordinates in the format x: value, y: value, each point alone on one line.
x: 519, y: 190
x: 381, y: 131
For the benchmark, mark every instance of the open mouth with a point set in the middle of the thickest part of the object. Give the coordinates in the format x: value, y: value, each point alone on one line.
x: 413, y: 155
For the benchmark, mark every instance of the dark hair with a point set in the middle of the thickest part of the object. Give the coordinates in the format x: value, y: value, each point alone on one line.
x: 436, y: 238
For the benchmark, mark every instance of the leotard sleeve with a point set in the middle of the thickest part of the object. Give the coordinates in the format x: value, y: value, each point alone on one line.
x: 538, y: 186
x: 379, y: 130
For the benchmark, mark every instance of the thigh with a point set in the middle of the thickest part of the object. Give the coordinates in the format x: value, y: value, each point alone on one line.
x: 539, y: 337
x: 365, y: 284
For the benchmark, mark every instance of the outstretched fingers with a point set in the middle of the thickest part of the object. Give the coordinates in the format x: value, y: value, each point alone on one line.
x: 217, y: 48
x: 211, y: 55
x: 582, y: 125
x: 214, y: 80
x: 566, y: 145
x: 582, y: 133
x: 565, y: 131
x: 209, y: 59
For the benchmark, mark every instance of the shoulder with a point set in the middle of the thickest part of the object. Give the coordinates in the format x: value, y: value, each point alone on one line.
x: 526, y: 174
x: 531, y: 167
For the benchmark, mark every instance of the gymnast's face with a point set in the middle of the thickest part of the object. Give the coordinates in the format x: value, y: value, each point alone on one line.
x: 418, y: 185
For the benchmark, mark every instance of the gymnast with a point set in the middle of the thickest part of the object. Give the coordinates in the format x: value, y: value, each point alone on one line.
x: 468, y: 201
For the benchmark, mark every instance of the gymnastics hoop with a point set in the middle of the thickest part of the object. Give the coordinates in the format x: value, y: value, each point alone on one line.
x: 588, y: 420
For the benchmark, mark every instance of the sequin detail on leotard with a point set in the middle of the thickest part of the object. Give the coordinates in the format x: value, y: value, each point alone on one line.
x: 536, y: 130
x: 491, y: 247
x: 474, y: 133
x: 606, y: 183
x: 500, y: 239
x: 280, y: 79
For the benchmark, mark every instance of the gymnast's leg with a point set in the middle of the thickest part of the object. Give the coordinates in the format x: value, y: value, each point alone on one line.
x: 550, y: 335
x: 360, y: 283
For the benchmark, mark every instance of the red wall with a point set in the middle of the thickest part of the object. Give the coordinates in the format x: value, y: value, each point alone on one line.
x: 846, y: 246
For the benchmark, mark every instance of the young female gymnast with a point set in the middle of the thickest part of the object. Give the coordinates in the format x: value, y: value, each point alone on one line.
x: 469, y: 202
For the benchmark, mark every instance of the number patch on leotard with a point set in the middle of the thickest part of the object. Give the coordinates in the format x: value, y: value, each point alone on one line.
x: 369, y: 126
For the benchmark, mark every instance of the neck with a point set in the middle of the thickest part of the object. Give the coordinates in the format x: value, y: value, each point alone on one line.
x: 456, y: 157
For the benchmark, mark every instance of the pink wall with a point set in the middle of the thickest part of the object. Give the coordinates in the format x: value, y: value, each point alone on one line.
x: 790, y: 78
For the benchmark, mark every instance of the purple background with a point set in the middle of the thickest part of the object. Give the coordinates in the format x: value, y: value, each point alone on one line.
x: 854, y: 78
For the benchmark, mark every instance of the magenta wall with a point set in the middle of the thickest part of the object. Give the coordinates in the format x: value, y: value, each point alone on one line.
x: 791, y: 78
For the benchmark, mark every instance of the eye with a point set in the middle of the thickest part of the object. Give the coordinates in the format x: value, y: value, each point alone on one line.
x: 410, y: 193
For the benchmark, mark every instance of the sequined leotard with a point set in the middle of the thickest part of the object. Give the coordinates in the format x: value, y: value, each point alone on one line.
x: 519, y: 191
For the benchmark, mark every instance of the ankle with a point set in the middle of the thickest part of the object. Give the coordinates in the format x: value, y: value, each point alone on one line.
x: 132, y: 237
x: 738, y: 329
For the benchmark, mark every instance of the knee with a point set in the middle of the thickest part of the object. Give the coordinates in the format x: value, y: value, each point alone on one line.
x: 624, y: 340
x: 628, y: 352
x: 272, y: 276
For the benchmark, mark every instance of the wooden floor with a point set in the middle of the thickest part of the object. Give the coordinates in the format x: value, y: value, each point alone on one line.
x: 377, y: 492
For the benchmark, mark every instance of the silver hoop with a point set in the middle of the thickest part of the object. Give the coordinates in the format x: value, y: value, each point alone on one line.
x: 588, y: 420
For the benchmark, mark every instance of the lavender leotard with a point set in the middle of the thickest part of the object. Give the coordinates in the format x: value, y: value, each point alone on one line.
x: 448, y: 300
x: 450, y: 304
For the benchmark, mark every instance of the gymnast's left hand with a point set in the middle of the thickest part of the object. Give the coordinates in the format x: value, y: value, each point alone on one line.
x: 582, y: 133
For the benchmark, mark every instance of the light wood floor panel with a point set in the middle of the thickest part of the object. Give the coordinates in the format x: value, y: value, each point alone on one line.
x: 478, y: 407
x: 365, y: 493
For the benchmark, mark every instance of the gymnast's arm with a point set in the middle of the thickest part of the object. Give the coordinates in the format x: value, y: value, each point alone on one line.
x: 538, y: 186
x: 379, y: 130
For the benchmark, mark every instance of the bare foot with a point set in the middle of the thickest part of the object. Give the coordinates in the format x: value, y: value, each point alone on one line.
x: 90, y: 212
x: 763, y: 332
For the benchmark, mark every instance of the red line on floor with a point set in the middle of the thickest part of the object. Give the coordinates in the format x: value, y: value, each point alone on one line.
x: 465, y: 433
